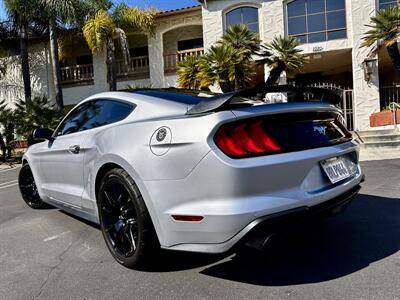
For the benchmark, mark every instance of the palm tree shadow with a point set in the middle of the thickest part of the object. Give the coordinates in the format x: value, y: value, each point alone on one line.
x: 368, y: 231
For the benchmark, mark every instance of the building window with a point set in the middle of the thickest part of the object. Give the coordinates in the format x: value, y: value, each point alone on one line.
x: 383, y: 4
x: 313, y: 21
x: 243, y: 15
x: 190, y: 44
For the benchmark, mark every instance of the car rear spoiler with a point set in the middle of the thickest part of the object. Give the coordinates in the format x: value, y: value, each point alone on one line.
x: 300, y: 94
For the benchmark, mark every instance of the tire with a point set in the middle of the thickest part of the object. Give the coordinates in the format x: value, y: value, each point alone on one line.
x: 28, y: 189
x: 125, y: 221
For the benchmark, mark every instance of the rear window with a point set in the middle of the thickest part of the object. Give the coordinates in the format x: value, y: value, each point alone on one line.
x: 189, y: 97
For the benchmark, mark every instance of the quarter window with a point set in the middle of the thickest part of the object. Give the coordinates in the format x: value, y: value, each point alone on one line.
x: 384, y: 4
x: 243, y: 15
x: 316, y: 20
x: 94, y: 114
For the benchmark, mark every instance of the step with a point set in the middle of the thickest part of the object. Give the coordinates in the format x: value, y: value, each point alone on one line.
x: 375, y: 132
x: 384, y: 144
x: 379, y: 150
x: 378, y: 154
x: 381, y: 138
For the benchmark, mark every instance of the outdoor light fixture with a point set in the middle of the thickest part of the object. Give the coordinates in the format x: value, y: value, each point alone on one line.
x: 369, y: 66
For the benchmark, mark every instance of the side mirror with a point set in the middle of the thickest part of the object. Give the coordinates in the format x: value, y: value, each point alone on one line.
x: 43, y: 134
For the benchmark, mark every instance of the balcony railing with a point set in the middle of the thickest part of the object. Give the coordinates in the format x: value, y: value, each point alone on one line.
x: 171, y: 60
x: 389, y: 94
x: 138, y: 67
x: 77, y: 74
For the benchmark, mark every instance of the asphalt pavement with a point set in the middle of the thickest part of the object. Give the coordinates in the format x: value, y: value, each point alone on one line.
x: 49, y: 254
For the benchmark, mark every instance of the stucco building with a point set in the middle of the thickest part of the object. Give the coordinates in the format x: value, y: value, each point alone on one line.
x: 330, y: 32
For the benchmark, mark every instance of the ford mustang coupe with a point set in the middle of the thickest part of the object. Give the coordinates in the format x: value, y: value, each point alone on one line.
x: 194, y: 172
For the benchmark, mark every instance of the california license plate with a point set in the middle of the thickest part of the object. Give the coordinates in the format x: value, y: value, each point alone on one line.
x: 336, y: 169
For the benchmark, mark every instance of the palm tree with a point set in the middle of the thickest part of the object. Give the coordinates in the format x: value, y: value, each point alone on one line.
x: 103, y: 28
x: 22, y: 12
x: 245, y: 44
x: 385, y: 29
x: 282, y: 54
x: 58, y: 12
x: 217, y: 67
x: 188, y: 72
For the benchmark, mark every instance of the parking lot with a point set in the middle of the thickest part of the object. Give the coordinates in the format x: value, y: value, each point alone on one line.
x: 49, y: 254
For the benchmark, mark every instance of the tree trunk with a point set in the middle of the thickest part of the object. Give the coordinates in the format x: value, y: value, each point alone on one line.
x: 237, y: 80
x: 9, y: 136
x: 55, y: 62
x: 3, y: 148
x: 111, y: 65
x: 26, y: 75
x: 275, y: 74
x: 394, y: 55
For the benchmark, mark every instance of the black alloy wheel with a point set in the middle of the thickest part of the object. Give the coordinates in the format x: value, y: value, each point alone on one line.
x: 124, y: 220
x: 28, y: 188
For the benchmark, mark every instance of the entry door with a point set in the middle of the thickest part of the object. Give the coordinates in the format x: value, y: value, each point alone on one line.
x: 61, y: 163
x: 62, y: 167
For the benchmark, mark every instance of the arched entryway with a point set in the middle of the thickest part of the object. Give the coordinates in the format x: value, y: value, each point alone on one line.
x: 180, y: 42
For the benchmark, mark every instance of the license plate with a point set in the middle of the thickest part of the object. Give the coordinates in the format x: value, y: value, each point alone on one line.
x: 335, y: 169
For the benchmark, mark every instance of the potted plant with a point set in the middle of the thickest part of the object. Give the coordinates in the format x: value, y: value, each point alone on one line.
x: 386, y: 116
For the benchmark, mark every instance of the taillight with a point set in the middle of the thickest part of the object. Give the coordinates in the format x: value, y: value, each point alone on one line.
x: 245, y: 139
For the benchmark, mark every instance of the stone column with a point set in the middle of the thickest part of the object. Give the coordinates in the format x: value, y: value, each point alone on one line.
x: 100, y: 72
x: 366, y: 94
x: 213, y: 27
x: 156, y: 60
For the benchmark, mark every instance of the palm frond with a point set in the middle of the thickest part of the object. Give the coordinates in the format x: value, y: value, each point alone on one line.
x: 188, y: 72
x: 384, y: 28
x: 241, y: 38
x: 218, y: 67
x: 97, y: 29
x: 133, y: 19
x: 284, y: 51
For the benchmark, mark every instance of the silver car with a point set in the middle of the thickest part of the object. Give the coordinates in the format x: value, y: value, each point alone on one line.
x: 190, y: 172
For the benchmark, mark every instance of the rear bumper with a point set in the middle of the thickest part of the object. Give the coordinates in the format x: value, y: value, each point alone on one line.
x: 269, y: 225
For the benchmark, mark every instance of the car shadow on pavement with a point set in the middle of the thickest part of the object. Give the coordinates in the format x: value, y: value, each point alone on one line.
x: 368, y: 231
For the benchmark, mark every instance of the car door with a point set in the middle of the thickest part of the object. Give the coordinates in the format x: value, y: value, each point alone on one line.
x: 62, y: 162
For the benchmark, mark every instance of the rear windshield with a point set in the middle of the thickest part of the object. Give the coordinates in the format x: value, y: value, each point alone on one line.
x: 190, y: 97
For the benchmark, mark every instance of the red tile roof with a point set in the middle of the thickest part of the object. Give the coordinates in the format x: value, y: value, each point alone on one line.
x: 179, y: 10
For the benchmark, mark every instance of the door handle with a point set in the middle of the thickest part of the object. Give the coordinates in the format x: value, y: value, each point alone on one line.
x: 75, y: 149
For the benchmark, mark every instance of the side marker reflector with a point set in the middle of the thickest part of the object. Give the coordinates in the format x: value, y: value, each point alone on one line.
x: 182, y: 218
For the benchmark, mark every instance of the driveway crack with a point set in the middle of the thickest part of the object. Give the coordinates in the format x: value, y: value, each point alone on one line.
x: 60, y: 258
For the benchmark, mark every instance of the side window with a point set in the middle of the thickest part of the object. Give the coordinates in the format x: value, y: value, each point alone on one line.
x: 72, y: 122
x: 112, y: 112
x: 95, y: 114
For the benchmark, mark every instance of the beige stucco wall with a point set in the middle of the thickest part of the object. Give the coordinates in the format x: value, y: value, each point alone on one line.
x: 210, y: 24
x: 272, y: 23
x: 171, y: 38
x: 156, y: 44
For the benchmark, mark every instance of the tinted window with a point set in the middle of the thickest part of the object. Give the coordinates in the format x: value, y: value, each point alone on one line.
x: 243, y: 15
x: 384, y: 4
x: 72, y: 122
x: 297, y: 8
x: 316, y: 20
x: 94, y: 114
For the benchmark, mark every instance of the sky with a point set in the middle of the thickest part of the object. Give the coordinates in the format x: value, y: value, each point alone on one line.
x: 161, y: 4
